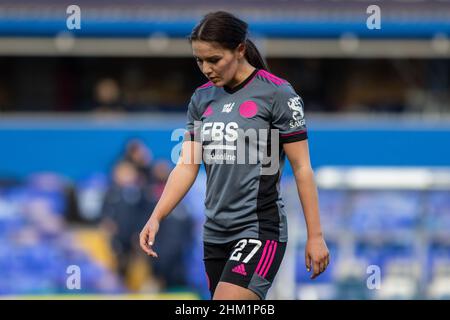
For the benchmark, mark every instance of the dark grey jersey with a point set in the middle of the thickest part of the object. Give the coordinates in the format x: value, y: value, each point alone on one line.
x: 242, y: 131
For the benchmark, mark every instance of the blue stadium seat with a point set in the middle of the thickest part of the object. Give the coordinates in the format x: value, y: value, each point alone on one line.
x: 437, y: 216
x: 385, y: 211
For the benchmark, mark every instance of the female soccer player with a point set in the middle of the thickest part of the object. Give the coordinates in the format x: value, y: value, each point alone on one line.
x: 245, y: 232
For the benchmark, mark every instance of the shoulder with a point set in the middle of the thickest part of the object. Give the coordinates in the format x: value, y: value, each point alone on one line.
x: 206, y: 85
x: 272, y: 81
x: 282, y: 93
x: 200, y: 98
x: 200, y: 92
x: 273, y: 84
x: 270, y: 78
x: 205, y: 91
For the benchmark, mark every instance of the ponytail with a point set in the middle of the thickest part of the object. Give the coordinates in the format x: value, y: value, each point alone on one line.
x: 254, y: 57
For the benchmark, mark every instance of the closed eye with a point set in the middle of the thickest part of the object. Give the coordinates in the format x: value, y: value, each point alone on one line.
x: 210, y: 60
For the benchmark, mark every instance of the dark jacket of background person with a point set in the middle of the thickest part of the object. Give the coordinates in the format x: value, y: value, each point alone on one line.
x: 125, y: 209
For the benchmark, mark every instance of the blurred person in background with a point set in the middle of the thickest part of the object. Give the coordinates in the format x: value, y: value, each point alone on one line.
x: 140, y: 156
x: 176, y: 237
x: 245, y: 233
x: 107, y: 96
x: 122, y: 213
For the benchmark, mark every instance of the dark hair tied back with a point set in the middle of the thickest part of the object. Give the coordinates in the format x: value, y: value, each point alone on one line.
x: 228, y: 31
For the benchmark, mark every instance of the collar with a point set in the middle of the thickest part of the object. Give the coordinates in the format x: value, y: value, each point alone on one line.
x: 242, y: 84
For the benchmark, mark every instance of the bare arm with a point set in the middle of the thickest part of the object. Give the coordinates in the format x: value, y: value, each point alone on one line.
x: 316, y: 251
x: 178, y: 184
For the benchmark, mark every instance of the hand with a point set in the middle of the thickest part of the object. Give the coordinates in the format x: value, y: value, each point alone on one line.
x: 316, y: 252
x: 147, y: 237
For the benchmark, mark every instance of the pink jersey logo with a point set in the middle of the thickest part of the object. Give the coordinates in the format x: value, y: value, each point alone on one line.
x: 248, y: 109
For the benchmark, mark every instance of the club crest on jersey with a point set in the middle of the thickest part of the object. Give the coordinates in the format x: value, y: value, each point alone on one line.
x: 227, y: 107
x: 295, y: 104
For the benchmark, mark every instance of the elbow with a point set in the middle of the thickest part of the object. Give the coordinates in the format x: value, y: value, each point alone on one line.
x: 303, y: 171
x: 189, y: 168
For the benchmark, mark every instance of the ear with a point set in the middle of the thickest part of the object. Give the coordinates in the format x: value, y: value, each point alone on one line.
x: 240, y: 50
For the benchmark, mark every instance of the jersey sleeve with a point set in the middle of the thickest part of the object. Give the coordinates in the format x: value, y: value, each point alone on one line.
x: 288, y: 115
x: 192, y: 125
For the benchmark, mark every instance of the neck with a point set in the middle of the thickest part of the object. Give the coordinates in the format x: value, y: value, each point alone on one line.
x: 242, y: 73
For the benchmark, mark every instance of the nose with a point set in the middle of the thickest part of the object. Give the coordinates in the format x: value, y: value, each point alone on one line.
x: 206, y: 69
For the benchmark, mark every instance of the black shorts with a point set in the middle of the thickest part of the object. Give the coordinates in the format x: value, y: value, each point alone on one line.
x: 248, y: 263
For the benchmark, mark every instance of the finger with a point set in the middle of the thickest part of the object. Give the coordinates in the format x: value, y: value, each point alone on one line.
x: 322, y: 266
x: 143, y: 242
x: 150, y: 243
x: 327, y: 261
x: 316, y: 269
x: 151, y: 238
x: 152, y: 252
x: 308, y: 262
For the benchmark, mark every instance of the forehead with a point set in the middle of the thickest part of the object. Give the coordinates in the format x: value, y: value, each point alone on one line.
x: 203, y: 49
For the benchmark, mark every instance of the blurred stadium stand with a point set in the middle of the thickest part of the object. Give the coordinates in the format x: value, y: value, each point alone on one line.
x: 377, y: 104
x: 381, y: 226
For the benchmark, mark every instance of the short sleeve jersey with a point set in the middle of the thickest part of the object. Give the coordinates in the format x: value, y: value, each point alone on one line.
x: 242, y: 130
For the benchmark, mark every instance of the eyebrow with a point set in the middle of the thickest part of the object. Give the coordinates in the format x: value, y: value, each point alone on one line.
x: 212, y: 57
